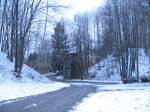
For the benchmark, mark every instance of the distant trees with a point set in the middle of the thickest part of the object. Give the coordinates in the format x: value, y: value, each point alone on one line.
x: 40, y: 34
x: 32, y: 60
x: 83, y: 42
x: 60, y: 45
x: 104, y: 39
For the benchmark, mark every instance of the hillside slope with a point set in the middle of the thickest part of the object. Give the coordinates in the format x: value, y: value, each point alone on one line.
x: 30, y: 83
x: 109, y: 69
x: 28, y: 75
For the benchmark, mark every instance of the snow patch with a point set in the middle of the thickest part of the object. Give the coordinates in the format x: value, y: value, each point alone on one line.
x: 108, y: 70
x: 29, y: 106
x: 131, y: 100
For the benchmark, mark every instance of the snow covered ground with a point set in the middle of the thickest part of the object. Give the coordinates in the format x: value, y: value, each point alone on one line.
x: 121, y: 98
x: 17, y: 90
x: 30, y: 82
x: 50, y: 74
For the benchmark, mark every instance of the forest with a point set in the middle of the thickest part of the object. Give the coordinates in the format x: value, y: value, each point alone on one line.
x: 121, y: 28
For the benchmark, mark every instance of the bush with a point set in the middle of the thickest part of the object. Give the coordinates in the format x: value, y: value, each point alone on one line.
x: 145, y: 79
x: 33, y: 57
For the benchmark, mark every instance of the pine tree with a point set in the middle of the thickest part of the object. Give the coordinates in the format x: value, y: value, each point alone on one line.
x: 60, y: 47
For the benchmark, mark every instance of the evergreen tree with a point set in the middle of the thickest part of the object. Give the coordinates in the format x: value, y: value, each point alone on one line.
x: 60, y: 47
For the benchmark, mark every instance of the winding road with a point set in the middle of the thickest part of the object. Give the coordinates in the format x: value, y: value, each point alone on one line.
x: 58, y: 101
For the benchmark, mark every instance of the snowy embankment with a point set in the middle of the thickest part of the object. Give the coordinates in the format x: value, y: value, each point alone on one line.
x: 109, y: 68
x: 144, y: 65
x: 30, y: 82
x: 118, y: 98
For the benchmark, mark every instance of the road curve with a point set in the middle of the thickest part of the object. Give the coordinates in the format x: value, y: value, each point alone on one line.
x: 58, y: 101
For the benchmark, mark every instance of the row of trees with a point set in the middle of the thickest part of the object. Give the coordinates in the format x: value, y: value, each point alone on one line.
x: 125, y: 29
x: 77, y: 43
x: 19, y: 20
x: 121, y: 29
x: 16, y: 20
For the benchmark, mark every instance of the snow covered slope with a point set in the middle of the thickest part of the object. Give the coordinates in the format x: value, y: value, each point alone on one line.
x: 109, y: 69
x: 144, y: 65
x: 30, y: 83
x: 28, y: 74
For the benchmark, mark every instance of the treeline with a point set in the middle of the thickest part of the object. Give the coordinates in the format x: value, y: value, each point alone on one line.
x: 121, y: 28
x: 15, y: 23
x: 20, y: 29
x: 125, y: 30
x: 71, y: 53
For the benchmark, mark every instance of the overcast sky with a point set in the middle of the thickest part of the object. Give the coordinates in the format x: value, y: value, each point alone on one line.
x: 75, y: 6
x: 81, y: 6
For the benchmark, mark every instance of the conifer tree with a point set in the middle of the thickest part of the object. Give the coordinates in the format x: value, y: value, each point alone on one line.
x: 60, y: 47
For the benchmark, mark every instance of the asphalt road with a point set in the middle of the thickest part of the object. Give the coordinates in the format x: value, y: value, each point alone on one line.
x: 53, y: 78
x: 58, y: 101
